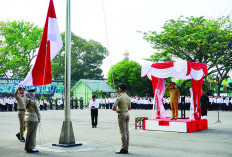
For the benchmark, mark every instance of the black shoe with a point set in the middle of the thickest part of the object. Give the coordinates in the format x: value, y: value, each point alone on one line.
x: 122, y: 152
x: 173, y: 119
x: 22, y: 140
x: 18, y: 136
x: 32, y: 151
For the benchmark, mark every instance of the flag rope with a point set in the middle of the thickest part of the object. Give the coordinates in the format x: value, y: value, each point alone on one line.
x: 107, y: 40
x: 44, y: 71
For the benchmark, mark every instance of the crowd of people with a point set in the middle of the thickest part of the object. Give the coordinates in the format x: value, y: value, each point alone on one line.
x: 215, y: 103
x: 29, y: 107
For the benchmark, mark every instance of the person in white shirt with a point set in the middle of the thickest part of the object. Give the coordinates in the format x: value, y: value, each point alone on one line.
x: 59, y: 103
x: 7, y: 103
x: 227, y: 101
x: 1, y: 104
x: 107, y: 103
x: 111, y: 102
x: 45, y: 104
x: 94, y: 105
x: 11, y: 102
x: 4, y: 104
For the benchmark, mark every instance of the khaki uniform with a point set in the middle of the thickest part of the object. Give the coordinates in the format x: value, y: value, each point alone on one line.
x: 21, y: 102
x: 32, y: 117
x: 122, y: 103
x: 174, y: 101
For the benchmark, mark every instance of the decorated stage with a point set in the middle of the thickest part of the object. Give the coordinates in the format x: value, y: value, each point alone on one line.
x: 179, y: 125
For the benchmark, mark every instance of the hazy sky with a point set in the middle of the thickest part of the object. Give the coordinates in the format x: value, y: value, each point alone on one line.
x: 123, y: 19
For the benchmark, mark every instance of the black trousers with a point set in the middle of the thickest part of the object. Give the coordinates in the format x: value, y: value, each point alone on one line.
x: 94, y: 115
x: 203, y: 111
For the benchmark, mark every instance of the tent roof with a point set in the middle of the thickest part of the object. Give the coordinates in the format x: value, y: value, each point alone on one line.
x: 181, y: 70
x: 95, y: 85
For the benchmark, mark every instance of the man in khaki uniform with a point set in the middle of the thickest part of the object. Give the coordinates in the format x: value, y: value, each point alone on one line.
x: 122, y: 105
x: 32, y: 118
x: 174, y: 99
x: 21, y: 101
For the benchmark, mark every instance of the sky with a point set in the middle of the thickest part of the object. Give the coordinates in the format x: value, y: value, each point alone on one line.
x: 124, y: 20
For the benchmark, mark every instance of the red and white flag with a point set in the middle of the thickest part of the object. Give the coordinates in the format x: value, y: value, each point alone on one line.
x: 50, y: 45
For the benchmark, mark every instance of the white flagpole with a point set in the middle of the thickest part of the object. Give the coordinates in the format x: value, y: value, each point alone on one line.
x: 67, y: 138
x: 67, y: 70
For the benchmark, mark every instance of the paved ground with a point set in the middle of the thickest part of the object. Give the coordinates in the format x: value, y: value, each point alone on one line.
x: 105, y: 140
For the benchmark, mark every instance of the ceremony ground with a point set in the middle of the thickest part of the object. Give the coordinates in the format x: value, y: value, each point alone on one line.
x: 105, y: 139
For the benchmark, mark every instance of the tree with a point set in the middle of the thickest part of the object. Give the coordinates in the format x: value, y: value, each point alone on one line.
x: 196, y: 39
x: 129, y: 72
x: 86, y: 59
x: 19, y: 41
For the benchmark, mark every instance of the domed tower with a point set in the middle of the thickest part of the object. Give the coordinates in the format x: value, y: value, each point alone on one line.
x: 126, y: 55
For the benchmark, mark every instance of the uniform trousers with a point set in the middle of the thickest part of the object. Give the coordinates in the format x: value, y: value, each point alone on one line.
x: 94, y: 115
x: 21, y: 117
x: 174, y: 107
x: 123, y: 122
x: 31, y: 127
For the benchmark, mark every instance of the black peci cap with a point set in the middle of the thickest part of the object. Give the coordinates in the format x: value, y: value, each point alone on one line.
x: 122, y: 86
x: 31, y: 90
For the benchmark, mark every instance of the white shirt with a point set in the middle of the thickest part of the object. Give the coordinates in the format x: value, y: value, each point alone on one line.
x: 59, y: 102
x: 41, y: 102
x: 11, y: 101
x: 94, y: 103
x: 1, y: 101
x: 7, y: 100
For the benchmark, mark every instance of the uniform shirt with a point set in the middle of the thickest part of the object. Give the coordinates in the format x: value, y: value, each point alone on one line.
x: 94, y: 103
x: 21, y: 102
x: 227, y: 101
x: 219, y: 100
x: 59, y: 102
x: 7, y: 100
x: 11, y: 101
x: 41, y: 102
x: 122, y: 102
x: 174, y: 94
x: 32, y: 110
x: 1, y: 101
x: 4, y: 101
x: 107, y: 101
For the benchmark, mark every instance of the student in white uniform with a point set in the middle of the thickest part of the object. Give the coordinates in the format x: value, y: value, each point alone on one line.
x: 94, y: 105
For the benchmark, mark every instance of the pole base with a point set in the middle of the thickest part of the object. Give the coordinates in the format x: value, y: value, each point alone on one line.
x: 67, y: 145
x: 218, y: 121
x: 64, y: 136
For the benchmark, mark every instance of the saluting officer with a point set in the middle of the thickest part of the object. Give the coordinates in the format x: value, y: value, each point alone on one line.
x: 21, y: 102
x: 122, y: 105
x: 174, y: 99
x: 32, y: 118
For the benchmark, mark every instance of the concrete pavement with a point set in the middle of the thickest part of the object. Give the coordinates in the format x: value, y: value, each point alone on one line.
x: 105, y: 139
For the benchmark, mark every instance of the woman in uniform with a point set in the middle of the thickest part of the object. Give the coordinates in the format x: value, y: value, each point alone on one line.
x: 32, y: 118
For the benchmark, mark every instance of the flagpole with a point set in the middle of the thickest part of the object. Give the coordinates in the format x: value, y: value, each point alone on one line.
x: 67, y: 71
x: 67, y: 138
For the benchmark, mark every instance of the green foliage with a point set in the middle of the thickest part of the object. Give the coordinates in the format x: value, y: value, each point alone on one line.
x: 86, y: 59
x: 195, y: 39
x: 129, y: 72
x: 229, y: 87
x: 184, y: 86
x: 19, y: 41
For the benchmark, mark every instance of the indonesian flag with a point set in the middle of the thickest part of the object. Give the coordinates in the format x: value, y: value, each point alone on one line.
x: 50, y: 45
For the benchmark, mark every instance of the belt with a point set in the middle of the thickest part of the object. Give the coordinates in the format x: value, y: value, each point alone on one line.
x: 122, y: 111
x: 21, y: 109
